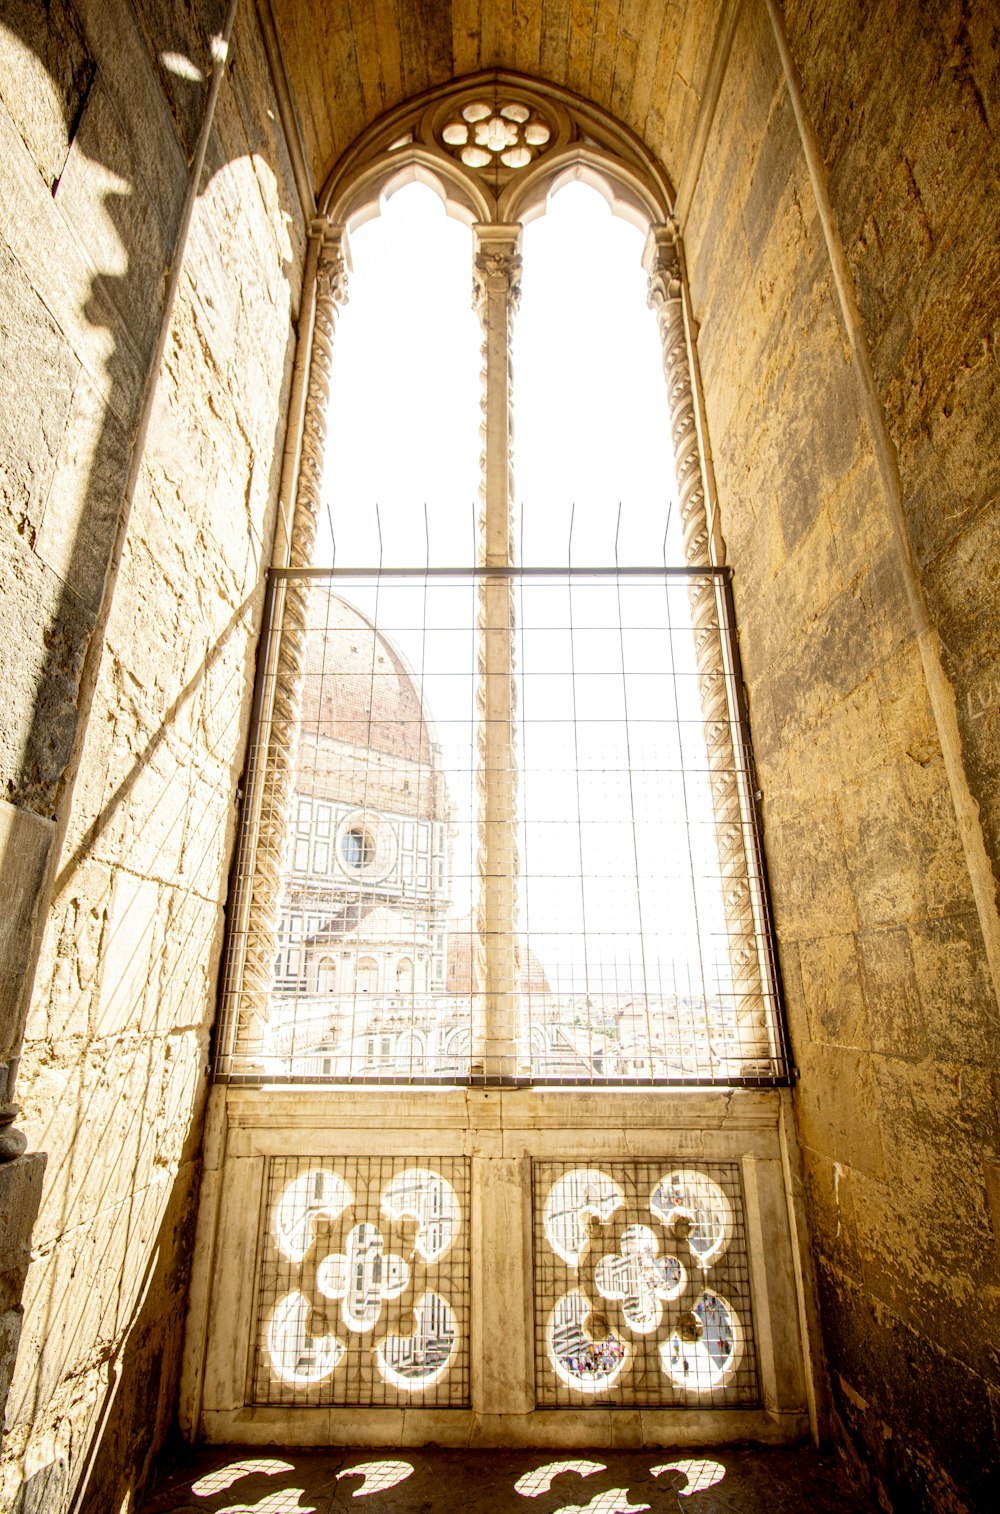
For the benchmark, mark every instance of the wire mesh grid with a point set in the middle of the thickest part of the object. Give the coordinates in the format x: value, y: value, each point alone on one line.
x: 362, y: 1287
x: 507, y: 830
x: 643, y: 918
x: 642, y: 1286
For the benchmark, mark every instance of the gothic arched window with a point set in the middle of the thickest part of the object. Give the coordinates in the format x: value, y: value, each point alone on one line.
x: 525, y: 725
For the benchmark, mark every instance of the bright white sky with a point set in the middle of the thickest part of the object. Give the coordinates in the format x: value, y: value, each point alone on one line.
x: 591, y: 426
x: 591, y: 433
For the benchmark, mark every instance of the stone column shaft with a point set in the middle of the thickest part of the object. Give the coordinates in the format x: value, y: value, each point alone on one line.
x: 281, y: 704
x: 497, y: 268
x: 666, y: 296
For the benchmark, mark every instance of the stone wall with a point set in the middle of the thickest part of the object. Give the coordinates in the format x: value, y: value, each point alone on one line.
x: 127, y: 658
x: 909, y: 129
x: 892, y: 1008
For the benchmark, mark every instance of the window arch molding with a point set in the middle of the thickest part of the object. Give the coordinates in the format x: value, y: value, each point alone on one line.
x: 583, y: 142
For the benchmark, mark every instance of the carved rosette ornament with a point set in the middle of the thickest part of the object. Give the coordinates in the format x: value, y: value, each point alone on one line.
x: 497, y: 136
x: 292, y: 616
x: 495, y: 296
x: 665, y: 296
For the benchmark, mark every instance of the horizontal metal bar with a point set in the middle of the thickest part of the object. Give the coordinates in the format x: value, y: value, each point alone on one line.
x: 481, y: 1080
x: 725, y: 572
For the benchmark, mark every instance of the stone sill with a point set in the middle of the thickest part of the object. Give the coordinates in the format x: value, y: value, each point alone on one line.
x: 544, y: 1428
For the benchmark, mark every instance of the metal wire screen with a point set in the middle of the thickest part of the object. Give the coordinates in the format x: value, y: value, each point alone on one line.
x: 569, y: 890
x: 362, y: 1290
x: 642, y: 1286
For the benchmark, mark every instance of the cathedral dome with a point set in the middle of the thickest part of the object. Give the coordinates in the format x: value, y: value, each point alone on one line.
x: 461, y: 976
x: 358, y: 687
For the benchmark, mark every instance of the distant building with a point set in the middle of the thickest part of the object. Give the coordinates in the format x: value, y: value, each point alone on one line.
x: 360, y: 974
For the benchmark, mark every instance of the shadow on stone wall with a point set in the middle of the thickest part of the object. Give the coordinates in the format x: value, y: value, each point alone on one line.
x: 137, y: 1404
x: 111, y: 118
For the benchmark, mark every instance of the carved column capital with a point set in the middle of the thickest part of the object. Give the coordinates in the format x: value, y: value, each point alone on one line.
x: 331, y: 267
x: 661, y: 259
x: 496, y: 267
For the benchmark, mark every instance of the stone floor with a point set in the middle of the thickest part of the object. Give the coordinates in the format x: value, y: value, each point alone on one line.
x: 241, y: 1480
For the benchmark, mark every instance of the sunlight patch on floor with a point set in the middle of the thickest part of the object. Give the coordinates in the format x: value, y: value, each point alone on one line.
x: 700, y: 1473
x: 285, y: 1502
x: 534, y: 1484
x: 224, y: 1477
x: 378, y: 1475
x: 615, y: 1501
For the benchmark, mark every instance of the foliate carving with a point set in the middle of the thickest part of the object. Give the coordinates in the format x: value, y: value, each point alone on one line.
x: 272, y: 838
x: 331, y: 274
x: 663, y: 268
x: 496, y: 271
x: 665, y: 296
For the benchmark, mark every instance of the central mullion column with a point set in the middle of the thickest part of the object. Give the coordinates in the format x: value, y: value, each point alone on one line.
x: 496, y: 291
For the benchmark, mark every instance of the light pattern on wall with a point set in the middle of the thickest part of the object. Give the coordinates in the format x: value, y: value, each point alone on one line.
x: 642, y: 1288
x: 362, y: 1292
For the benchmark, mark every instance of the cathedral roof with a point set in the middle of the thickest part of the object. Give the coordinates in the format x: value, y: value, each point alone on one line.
x: 460, y: 963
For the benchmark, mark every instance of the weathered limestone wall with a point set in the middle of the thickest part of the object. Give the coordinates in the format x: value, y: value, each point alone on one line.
x: 101, y: 105
x: 909, y: 129
x: 892, y: 1009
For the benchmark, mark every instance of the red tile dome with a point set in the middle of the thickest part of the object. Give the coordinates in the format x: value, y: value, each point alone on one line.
x: 358, y: 687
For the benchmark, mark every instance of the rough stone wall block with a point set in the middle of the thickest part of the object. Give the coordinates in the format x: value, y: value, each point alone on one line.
x: 20, y: 1196
x: 25, y: 842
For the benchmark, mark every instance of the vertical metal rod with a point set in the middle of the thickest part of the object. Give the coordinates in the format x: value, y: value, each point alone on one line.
x: 666, y: 528
x: 333, y: 538
x: 750, y: 793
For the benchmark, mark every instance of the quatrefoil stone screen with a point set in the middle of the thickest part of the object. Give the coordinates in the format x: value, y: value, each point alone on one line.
x: 642, y: 1285
x: 363, y: 1283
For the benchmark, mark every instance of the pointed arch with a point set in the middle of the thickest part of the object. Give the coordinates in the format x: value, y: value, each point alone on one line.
x: 494, y: 146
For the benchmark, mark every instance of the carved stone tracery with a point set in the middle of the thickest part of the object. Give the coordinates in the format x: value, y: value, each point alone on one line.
x: 495, y: 136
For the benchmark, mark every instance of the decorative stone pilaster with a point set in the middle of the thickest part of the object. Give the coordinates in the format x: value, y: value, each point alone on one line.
x: 498, y: 1049
x: 281, y: 719
x: 662, y: 263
